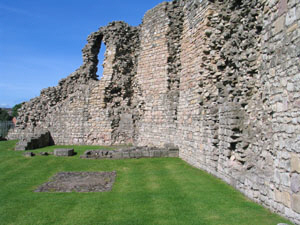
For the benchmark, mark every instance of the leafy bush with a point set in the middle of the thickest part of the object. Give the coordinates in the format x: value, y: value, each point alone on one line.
x: 15, y: 110
x: 4, y: 116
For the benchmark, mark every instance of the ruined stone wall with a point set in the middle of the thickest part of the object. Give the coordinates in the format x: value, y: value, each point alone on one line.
x: 83, y: 110
x: 114, y: 105
x: 158, y: 73
x: 218, y: 79
x: 225, y: 120
x: 280, y: 75
x: 226, y: 116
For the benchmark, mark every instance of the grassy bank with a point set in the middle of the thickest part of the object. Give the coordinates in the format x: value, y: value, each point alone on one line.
x: 147, y: 191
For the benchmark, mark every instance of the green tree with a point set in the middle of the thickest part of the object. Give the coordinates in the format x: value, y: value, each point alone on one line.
x: 15, y: 110
x: 4, y: 116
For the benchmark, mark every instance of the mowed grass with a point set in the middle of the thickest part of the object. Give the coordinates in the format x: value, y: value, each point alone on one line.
x: 147, y: 191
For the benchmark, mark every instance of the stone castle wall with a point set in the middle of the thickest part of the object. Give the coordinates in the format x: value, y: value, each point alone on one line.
x: 280, y: 76
x: 159, y: 73
x: 218, y: 79
x: 83, y: 110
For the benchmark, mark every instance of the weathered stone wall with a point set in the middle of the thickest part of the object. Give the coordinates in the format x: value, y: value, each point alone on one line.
x: 280, y: 79
x: 114, y: 105
x: 224, y: 121
x: 218, y: 79
x: 83, y: 110
x: 159, y: 73
x: 227, y: 123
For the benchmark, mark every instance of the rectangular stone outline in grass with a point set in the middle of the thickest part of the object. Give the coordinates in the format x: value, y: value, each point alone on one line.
x: 79, y: 182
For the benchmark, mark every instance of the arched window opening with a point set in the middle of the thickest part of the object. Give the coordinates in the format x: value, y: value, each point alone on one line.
x: 101, y: 60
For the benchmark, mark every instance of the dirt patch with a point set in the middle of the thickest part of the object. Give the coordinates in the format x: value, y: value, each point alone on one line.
x: 79, y: 182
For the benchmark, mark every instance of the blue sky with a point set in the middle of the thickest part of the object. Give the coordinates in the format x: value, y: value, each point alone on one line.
x: 41, y: 40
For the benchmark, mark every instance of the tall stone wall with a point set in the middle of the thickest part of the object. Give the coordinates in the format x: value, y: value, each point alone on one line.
x: 228, y: 112
x: 159, y: 73
x: 219, y: 93
x: 218, y: 79
x: 114, y: 105
x: 280, y: 75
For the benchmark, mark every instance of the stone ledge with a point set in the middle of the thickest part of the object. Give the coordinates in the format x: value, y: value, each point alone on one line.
x: 131, y: 153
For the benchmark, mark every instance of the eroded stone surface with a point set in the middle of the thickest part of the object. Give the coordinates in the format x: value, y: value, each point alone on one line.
x: 79, y: 182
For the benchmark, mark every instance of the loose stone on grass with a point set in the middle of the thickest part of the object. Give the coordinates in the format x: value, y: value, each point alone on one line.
x: 79, y: 182
x: 29, y: 154
x: 64, y: 152
x: 44, y: 153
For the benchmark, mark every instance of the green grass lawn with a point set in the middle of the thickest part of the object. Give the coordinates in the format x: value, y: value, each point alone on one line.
x: 147, y: 191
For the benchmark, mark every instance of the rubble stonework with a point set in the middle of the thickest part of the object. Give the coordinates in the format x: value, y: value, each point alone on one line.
x: 131, y: 153
x: 218, y: 79
x: 39, y: 140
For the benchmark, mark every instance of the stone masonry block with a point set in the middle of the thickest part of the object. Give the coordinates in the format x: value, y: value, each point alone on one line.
x: 63, y: 152
x: 296, y: 203
x: 145, y: 153
x: 292, y: 28
x: 283, y: 197
x: 125, y: 155
x: 156, y: 153
x: 282, y: 7
x: 279, y: 25
x: 20, y: 147
x: 291, y: 16
x: 295, y: 163
x: 286, y: 199
x: 164, y: 153
x: 295, y: 183
x: 173, y: 153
